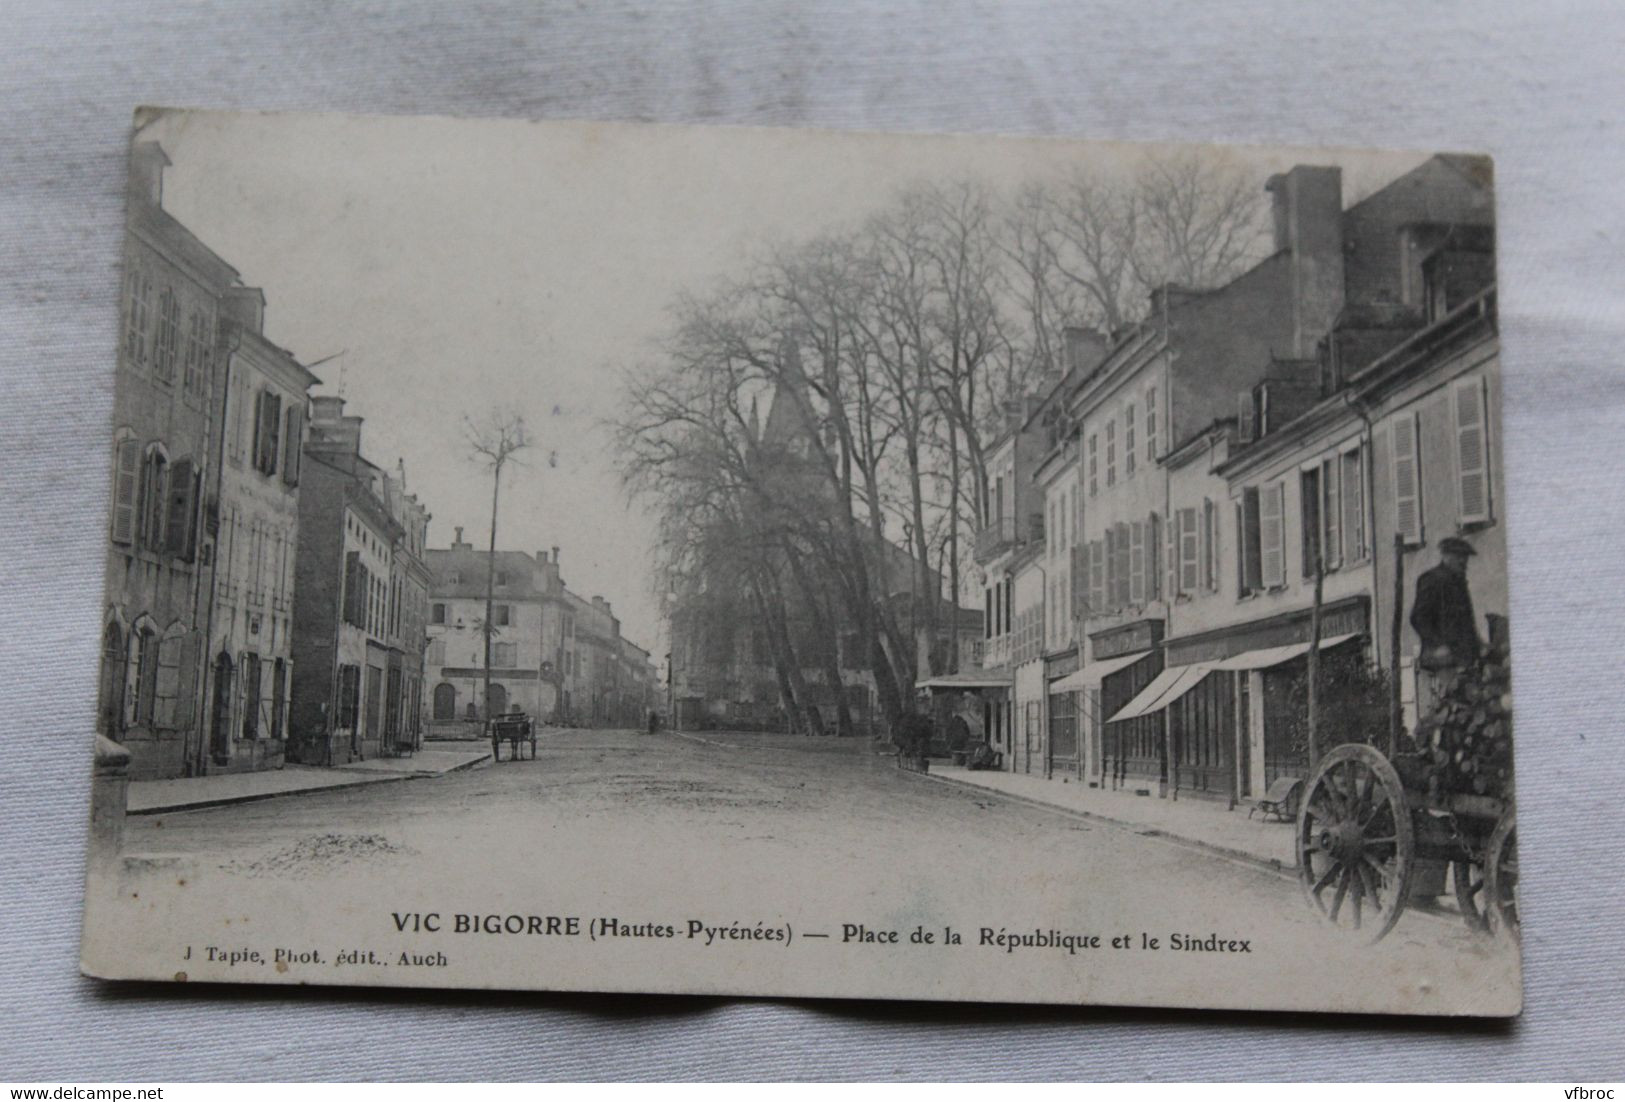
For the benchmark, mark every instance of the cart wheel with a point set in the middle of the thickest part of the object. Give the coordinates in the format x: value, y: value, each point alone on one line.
x: 1355, y: 844
x: 1501, y: 878
x: 1468, y: 877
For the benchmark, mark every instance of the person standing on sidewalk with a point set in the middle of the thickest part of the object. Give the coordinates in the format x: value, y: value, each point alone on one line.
x: 1443, y: 618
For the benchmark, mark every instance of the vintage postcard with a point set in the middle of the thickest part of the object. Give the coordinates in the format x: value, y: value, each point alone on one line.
x: 594, y: 557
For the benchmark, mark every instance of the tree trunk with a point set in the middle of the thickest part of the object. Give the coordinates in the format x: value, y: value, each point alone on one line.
x: 953, y: 549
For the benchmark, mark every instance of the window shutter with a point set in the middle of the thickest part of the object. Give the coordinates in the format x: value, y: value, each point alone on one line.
x: 1210, y: 545
x: 259, y: 430
x: 1241, y: 551
x: 1153, y: 557
x: 1244, y: 416
x: 1136, y: 566
x: 273, y: 425
x: 1097, y: 578
x: 154, y: 501
x: 1189, y: 551
x: 293, y: 443
x: 1123, y: 560
x: 1270, y: 512
x: 353, y: 595
x: 1472, y: 453
x: 180, y: 529
x: 1407, y: 479
x: 1111, y: 568
x: 126, y: 480
x: 1353, y: 488
x: 1331, y: 475
x: 1080, y: 580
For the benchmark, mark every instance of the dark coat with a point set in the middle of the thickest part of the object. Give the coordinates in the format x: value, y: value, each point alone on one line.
x: 1442, y: 615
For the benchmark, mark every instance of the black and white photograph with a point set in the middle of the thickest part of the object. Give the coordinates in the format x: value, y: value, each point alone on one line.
x: 613, y: 557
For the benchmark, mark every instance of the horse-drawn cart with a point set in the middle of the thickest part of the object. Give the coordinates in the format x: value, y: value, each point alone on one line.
x: 516, y: 729
x: 1371, y: 827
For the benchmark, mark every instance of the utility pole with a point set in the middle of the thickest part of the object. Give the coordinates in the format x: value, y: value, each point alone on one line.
x: 1314, y: 665
x: 494, y: 443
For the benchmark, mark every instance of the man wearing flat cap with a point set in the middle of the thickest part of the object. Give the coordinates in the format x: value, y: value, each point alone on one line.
x: 1442, y: 613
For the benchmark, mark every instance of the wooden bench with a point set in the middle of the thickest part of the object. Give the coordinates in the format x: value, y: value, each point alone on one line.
x: 1281, y: 800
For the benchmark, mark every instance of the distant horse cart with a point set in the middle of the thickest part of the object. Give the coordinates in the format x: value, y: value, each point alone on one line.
x: 516, y: 729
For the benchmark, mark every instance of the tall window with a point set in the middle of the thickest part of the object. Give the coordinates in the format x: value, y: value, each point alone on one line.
x: 167, y: 337
x: 502, y: 655
x: 139, y: 318
x: 1249, y: 546
x: 1094, y: 464
x: 251, y: 695
x: 279, y: 696
x: 1111, y: 453
x: 197, y: 352
x: 501, y: 615
x: 154, y: 498
x: 267, y: 431
x: 110, y: 710
x: 437, y: 613
x: 142, y: 680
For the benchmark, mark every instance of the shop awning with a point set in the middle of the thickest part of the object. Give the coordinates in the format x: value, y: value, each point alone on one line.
x: 1167, y: 687
x: 996, y: 678
x: 1090, y: 676
x: 1274, y: 656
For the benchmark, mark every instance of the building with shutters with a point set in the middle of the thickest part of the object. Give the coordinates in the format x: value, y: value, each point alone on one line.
x: 346, y: 640
x: 1216, y: 452
x: 529, y: 643
x: 254, y: 511
x: 1288, y: 496
x: 410, y: 582
x: 164, y: 429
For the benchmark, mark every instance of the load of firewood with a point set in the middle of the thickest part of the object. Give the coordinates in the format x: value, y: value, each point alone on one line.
x: 1464, y: 745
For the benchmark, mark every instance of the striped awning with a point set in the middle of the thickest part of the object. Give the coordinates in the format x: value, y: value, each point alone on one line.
x: 1167, y: 687
x: 1273, y: 656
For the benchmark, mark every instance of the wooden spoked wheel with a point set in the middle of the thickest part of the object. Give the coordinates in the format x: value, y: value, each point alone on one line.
x: 1501, y: 878
x: 1356, y: 848
x: 1468, y: 878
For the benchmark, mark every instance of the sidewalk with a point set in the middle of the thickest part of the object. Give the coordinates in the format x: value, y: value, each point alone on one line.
x: 191, y: 793
x: 1203, y: 823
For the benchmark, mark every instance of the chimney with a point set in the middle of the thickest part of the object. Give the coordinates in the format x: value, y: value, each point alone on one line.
x: 1084, y: 348
x: 326, y: 409
x: 1308, y: 209
x: 246, y: 307
x: 457, y: 543
x: 147, y: 164
x: 555, y: 556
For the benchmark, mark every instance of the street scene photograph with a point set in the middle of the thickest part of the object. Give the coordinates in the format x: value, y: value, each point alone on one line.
x: 685, y: 560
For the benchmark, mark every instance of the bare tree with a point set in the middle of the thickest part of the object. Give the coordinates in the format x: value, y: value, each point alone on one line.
x: 493, y: 443
x: 1089, y: 249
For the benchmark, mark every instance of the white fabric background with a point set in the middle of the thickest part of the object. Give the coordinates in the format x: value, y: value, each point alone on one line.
x: 1538, y: 85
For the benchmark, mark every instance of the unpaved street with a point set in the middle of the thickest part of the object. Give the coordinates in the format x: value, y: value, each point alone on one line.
x: 686, y: 797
